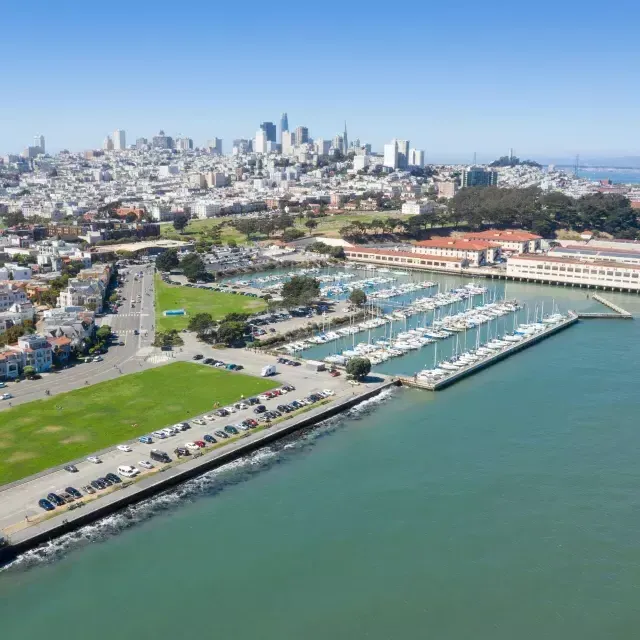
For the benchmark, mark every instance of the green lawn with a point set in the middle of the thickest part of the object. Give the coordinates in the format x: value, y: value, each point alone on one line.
x: 45, y: 433
x: 218, y: 304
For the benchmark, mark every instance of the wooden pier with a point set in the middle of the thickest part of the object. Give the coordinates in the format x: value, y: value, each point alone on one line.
x: 410, y: 381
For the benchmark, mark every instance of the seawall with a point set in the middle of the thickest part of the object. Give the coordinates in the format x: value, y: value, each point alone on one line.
x: 135, y: 492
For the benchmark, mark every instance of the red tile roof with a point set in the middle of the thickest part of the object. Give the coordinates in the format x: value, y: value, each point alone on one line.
x: 505, y: 235
x: 457, y: 243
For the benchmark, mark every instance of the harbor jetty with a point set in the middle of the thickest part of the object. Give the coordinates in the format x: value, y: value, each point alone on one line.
x: 619, y: 312
x: 450, y: 377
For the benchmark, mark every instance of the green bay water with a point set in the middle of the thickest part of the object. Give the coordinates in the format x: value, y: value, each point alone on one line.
x: 507, y: 506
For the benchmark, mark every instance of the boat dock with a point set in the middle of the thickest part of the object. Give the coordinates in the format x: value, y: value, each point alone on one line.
x: 619, y: 312
x: 436, y: 385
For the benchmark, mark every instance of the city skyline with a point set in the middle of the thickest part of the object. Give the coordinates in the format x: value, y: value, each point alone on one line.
x: 535, y: 94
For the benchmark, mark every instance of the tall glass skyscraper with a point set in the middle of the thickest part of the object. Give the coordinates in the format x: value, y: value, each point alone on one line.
x: 284, y: 124
x: 270, y: 131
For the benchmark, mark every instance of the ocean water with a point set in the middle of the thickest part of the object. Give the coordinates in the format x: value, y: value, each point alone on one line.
x: 617, y: 176
x: 507, y: 506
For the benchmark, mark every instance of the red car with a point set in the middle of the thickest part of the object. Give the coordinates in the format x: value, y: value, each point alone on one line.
x: 270, y: 394
x: 252, y: 422
x: 276, y: 392
x: 334, y: 374
x: 200, y: 443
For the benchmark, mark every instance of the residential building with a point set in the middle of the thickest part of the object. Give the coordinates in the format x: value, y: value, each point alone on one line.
x: 322, y: 146
x: 14, y: 271
x: 287, y: 141
x: 11, y: 294
x: 119, y: 140
x: 510, y: 240
x: 479, y: 177
x: 206, y: 209
x: 336, y: 143
x: 417, y: 208
x: 10, y: 364
x: 215, y: 146
x: 474, y: 254
x: 36, y: 352
x: 184, y: 144
x: 447, y: 188
x: 360, y: 162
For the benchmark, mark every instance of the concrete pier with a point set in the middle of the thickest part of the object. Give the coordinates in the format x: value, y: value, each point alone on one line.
x: 474, y: 368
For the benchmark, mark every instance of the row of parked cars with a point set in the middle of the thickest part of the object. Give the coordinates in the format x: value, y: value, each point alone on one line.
x: 263, y: 415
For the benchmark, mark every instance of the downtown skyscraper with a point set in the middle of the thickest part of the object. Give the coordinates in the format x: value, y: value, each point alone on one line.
x: 284, y: 124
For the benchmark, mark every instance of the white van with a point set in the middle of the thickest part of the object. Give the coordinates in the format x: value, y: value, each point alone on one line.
x: 269, y: 370
x: 127, y: 471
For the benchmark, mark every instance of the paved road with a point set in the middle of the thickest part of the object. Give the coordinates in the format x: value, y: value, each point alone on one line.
x: 133, y: 356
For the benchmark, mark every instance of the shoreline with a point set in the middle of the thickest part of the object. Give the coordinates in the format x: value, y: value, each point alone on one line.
x: 48, y: 530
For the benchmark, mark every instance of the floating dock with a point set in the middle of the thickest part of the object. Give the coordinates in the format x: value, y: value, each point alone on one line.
x: 410, y: 381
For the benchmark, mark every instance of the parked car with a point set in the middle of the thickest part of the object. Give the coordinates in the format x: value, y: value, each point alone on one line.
x: 113, y: 478
x: 253, y: 401
x: 87, y: 488
x: 128, y: 471
x: 260, y: 409
x: 145, y: 440
x: 6, y: 396
x: 159, y: 456
x: 159, y: 434
x: 124, y: 447
x: 209, y: 439
x: 231, y: 429
x: 145, y: 464
x: 209, y: 417
x: 97, y: 484
x: 55, y: 499
x: 200, y: 443
x: 334, y: 374
x: 181, y: 451
x: 221, y: 413
x: 47, y: 505
x: 71, y: 468
x: 105, y: 481
x: 221, y: 434
x: 74, y: 492
x: 199, y: 421
x: 192, y: 446
x: 198, y: 356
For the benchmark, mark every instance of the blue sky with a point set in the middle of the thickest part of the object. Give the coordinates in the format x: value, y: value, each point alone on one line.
x: 549, y: 79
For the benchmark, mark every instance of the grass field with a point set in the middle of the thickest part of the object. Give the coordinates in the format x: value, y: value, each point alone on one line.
x: 328, y: 226
x: 218, y: 304
x: 45, y: 433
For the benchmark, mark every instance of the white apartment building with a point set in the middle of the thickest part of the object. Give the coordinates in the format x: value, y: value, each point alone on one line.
x: 206, y: 209
x: 416, y: 158
x: 10, y: 295
x: 260, y: 142
x: 14, y: 271
x: 360, y: 162
x: 416, y: 208
x: 606, y: 275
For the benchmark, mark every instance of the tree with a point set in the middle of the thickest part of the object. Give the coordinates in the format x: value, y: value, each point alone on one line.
x: 300, y: 291
x: 193, y: 267
x: 359, y: 367
x: 231, y: 332
x: 311, y: 224
x: 231, y: 243
x: 202, y: 324
x: 358, y: 297
x: 14, y: 219
x: 167, y: 260
x: 29, y: 371
x: 180, y: 221
x: 289, y: 235
x: 103, y: 332
x: 91, y: 306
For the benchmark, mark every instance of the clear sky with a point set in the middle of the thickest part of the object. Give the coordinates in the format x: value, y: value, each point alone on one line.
x: 546, y: 78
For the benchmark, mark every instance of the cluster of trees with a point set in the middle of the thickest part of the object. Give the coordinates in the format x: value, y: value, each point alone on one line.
x: 11, y: 335
x: 231, y: 330
x: 513, y: 161
x: 192, y: 265
x: 264, y: 226
x: 543, y: 213
x: 358, y: 298
x: 327, y: 250
x: 300, y: 291
x: 413, y: 227
x: 103, y: 334
x: 169, y: 338
x: 358, y: 368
